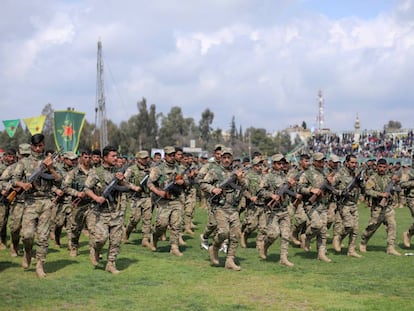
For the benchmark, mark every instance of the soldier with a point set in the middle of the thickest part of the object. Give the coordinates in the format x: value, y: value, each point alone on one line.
x: 74, y: 185
x: 407, y: 184
x: 278, y: 223
x: 37, y: 177
x: 332, y: 167
x: 190, y: 193
x: 255, y: 214
x: 379, y: 187
x: 300, y: 217
x: 9, y: 159
x: 108, y: 212
x: 349, y: 183
x: 211, y: 222
x: 96, y: 158
x: 312, y: 185
x: 62, y: 208
x: 15, y: 202
x: 226, y: 189
x: 140, y: 202
x: 167, y: 184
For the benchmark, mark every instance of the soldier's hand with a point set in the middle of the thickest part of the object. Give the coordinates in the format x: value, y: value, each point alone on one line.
x: 26, y: 186
x: 316, y: 191
x: 217, y: 191
x: 275, y: 197
x: 100, y: 200
x: 81, y: 195
x: 253, y: 199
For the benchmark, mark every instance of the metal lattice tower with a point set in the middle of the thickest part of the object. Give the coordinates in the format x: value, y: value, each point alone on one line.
x: 320, y: 118
x: 100, y: 109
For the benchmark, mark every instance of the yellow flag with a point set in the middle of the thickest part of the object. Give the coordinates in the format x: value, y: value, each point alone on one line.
x: 35, y: 124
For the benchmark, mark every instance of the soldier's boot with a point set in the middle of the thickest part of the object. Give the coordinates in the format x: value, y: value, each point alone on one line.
x: 94, y: 256
x: 305, y: 243
x: 73, y: 251
x: 181, y: 242
x: 52, y: 234
x: 164, y: 237
x: 406, y: 239
x: 145, y: 243
x: 27, y: 258
x: 391, y: 251
x: 294, y: 240
x: 243, y: 240
x: 193, y: 226
x: 261, y: 248
x: 111, y: 267
x: 363, y: 247
x: 175, y: 250
x: 336, y: 243
x: 3, y: 244
x: 214, y: 255
x: 126, y: 234
x: 153, y: 243
x: 230, y: 264
x: 284, y: 261
x: 14, y: 247
x: 188, y: 230
x: 322, y: 256
x: 39, y: 270
x: 352, y: 252
x: 203, y: 242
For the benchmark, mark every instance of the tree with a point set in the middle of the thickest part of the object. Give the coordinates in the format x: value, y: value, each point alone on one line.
x: 233, y: 131
x: 304, y: 125
x: 174, y: 128
x: 282, y: 143
x: 48, y: 128
x: 204, y: 127
x: 393, y: 125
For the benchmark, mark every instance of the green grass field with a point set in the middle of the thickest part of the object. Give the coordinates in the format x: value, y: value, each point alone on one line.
x: 159, y: 281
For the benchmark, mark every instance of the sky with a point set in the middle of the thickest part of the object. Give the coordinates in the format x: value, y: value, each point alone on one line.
x: 262, y: 62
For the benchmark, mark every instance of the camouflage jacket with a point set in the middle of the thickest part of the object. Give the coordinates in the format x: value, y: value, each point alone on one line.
x: 407, y: 183
x: 342, y: 178
x: 163, y: 175
x: 42, y: 187
x: 230, y: 196
x: 135, y: 174
x: 376, y: 185
x: 311, y: 178
x: 74, y: 182
x: 254, y: 186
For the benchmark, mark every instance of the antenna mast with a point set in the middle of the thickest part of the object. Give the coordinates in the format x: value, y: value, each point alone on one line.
x: 100, y: 109
x: 320, y: 118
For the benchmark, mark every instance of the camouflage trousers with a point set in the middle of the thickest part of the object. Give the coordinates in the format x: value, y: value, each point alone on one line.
x: 255, y: 217
x: 78, y: 218
x: 189, y: 206
x: 169, y: 213
x: 16, y: 218
x: 108, y: 225
x: 278, y: 225
x: 410, y: 205
x: 317, y: 225
x: 36, y: 222
x: 141, y: 209
x: 300, y: 220
x: 349, y: 217
x: 211, y: 225
x: 4, y: 216
x: 61, y: 216
x: 331, y: 214
x: 228, y: 227
x: 381, y: 216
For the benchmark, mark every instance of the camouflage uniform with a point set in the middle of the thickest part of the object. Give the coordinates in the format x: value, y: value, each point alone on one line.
x: 278, y: 223
x: 14, y: 209
x: 140, y: 203
x: 37, y: 211
x: 255, y: 214
x: 225, y: 210
x: 4, y: 210
x: 316, y: 211
x: 407, y: 184
x: 347, y: 211
x: 74, y: 184
x: 375, y: 186
x: 169, y: 210
x: 190, y: 202
x: 107, y: 218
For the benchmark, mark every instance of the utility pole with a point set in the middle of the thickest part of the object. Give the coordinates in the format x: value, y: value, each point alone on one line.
x: 100, y: 109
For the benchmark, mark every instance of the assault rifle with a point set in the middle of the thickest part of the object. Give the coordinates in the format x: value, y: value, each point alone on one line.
x: 352, y: 184
x: 39, y: 172
x: 325, y: 186
x: 391, y: 188
x: 285, y: 188
x: 143, y: 182
x: 113, y: 186
x: 228, y: 183
x: 171, y: 187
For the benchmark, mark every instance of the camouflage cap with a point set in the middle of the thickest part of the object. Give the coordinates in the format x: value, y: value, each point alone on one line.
x: 318, y: 156
x: 24, y: 149
x: 278, y: 157
x: 334, y: 158
x: 142, y: 154
x: 219, y: 147
x: 227, y: 150
x: 257, y: 160
x: 169, y: 149
x: 70, y: 155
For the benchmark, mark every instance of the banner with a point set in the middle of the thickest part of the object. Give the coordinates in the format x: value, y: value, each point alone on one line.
x: 35, y: 124
x: 11, y: 126
x: 67, y: 128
